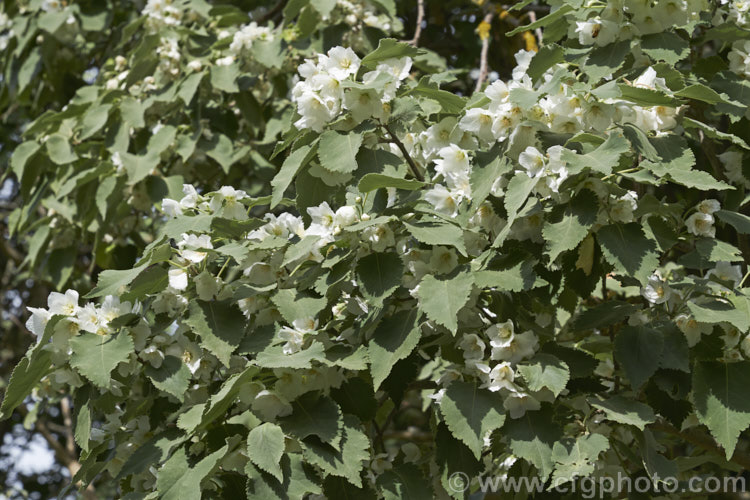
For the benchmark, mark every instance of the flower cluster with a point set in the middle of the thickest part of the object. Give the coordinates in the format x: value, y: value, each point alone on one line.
x: 328, y: 87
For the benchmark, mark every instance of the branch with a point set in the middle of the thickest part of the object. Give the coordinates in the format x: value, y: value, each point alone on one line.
x: 63, y: 456
x: 704, y: 441
x: 68, y: 422
x: 483, y: 65
x: 412, y: 166
x: 418, y: 28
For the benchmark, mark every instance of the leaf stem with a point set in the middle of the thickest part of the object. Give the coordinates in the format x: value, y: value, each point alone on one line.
x: 412, y: 166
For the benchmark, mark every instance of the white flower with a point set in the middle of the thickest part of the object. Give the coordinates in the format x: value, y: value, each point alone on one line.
x: 657, y: 290
x: 363, y: 104
x: 381, y: 463
x: 621, y: 210
x: 501, y: 377
x: 533, y: 161
x: 296, y: 336
x: 270, y: 405
x: 345, y: 216
x: 341, y: 62
x: 739, y: 58
x: 649, y: 80
x: 37, y: 322
x: 178, y: 279
x: 522, y: 346
x: 65, y: 304
x: 380, y: 237
x: 112, y: 308
x: 691, y: 328
x: 443, y: 200
x: 500, y: 334
x: 152, y: 355
x: 725, y: 271
x: 230, y: 198
x: 709, y: 206
x: 171, y: 207
x: 443, y: 260
x: 190, y: 244
x: 89, y: 319
x: 472, y: 346
x: 701, y: 224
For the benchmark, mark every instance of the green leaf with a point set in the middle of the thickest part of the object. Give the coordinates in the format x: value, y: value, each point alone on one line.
x: 21, y: 154
x: 371, y: 182
x: 338, y: 152
x: 716, y: 250
x: 738, y: 221
x: 95, y: 356
x: 638, y: 349
x: 220, y: 325
x: 449, y: 102
x: 603, y: 158
x: 299, y: 480
x: 519, y: 277
x: 379, y: 275
x: 58, y: 147
x: 545, y: 21
x: 275, y: 357
x: 700, y: 92
x: 441, y: 299
x: 221, y: 401
x: 490, y: 166
x: 388, y: 48
x: 224, y: 78
x: 404, y: 481
x: 697, y: 179
x: 577, y: 458
x: 544, y: 370
x: 718, y: 311
x: 138, y: 166
x: 606, y: 60
x: 293, y: 305
x: 471, y: 413
x: 177, y: 480
x: 265, y: 447
x: 666, y: 46
x: 394, y: 339
x: 713, y: 133
x: 625, y: 411
x: 28, y: 372
x: 646, y: 97
x: 531, y: 437
x: 657, y: 465
x: 314, y: 415
x: 347, y: 463
x: 298, y: 159
x: 604, y: 314
x: 172, y: 377
x: 577, y: 220
x: 154, y: 451
x: 626, y: 247
x: 720, y: 400
x: 93, y: 120
x: 437, y: 233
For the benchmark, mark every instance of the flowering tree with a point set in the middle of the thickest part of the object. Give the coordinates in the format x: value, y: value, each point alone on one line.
x: 329, y: 262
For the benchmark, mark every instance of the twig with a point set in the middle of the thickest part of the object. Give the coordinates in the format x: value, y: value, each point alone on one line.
x: 538, y: 31
x: 483, y: 65
x: 418, y: 28
x: 63, y: 456
x: 702, y: 441
x: 412, y: 166
x: 271, y: 13
x: 68, y: 422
